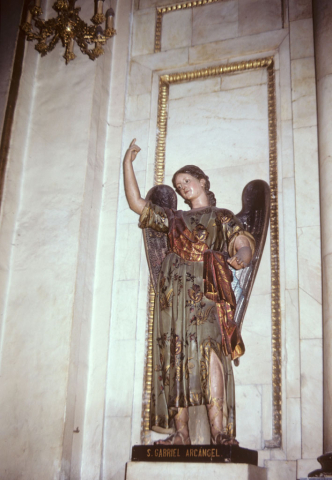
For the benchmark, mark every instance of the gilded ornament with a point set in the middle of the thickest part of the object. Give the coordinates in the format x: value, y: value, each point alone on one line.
x: 68, y: 27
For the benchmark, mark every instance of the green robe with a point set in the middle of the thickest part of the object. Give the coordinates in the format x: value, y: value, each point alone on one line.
x: 186, y: 324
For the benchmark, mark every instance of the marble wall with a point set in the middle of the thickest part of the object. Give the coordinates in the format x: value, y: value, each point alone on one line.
x: 74, y: 272
x: 55, y: 303
x: 203, y: 111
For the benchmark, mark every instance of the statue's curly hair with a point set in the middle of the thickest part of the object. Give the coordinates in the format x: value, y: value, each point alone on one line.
x: 199, y: 174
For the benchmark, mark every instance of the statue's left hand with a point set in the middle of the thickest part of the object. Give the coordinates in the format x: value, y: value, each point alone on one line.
x: 241, y: 259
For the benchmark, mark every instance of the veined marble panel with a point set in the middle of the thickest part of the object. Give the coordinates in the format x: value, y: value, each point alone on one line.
x: 303, y: 78
x: 312, y: 398
x: 256, y: 16
x: 285, y: 81
x: 117, y: 446
x: 287, y: 149
x: 120, y: 380
x: 292, y: 344
x: 244, y: 79
x: 293, y: 441
x: 304, y: 92
x: 140, y: 79
x: 215, y: 22
x: 205, y: 131
x: 165, y: 60
x: 309, y: 258
x: 228, y: 49
x: 290, y: 241
x: 266, y: 418
x: 193, y: 471
x: 131, y: 241
x: 278, y: 454
x: 311, y: 313
x: 143, y: 32
x: 124, y: 315
x: 301, y: 39
x: 299, y: 9
x: 263, y: 456
x: 306, y: 176
x: 256, y: 365
x: 138, y: 107
x: 278, y: 469
x: 198, y: 87
x: 249, y: 416
x: 176, y: 29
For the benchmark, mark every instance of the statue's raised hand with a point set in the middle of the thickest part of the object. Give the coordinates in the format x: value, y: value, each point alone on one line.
x: 132, y: 151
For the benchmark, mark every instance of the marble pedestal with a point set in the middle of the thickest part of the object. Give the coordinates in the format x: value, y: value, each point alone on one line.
x: 193, y: 471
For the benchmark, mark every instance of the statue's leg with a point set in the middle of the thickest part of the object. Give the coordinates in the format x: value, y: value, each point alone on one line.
x: 217, y: 389
x: 181, y: 436
x: 215, y: 408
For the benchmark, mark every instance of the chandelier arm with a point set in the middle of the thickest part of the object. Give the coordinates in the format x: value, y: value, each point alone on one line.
x: 53, y: 42
x: 31, y: 35
x: 85, y: 49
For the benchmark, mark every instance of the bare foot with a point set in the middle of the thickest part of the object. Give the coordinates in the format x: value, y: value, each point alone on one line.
x: 223, y: 439
x: 176, y: 438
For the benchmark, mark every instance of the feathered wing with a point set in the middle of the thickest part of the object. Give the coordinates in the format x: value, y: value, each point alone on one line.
x: 254, y: 216
x: 156, y: 243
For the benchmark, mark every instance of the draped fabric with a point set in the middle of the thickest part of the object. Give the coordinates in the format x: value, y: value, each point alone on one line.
x: 194, y: 309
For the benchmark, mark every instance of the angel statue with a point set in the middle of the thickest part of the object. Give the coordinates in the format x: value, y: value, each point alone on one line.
x: 202, y: 262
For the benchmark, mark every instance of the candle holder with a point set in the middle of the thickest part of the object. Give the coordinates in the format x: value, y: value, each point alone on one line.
x: 68, y: 28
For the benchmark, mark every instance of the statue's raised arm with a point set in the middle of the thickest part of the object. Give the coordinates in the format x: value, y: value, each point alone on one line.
x: 135, y: 201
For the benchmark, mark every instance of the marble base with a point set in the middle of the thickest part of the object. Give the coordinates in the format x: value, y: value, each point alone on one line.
x: 193, y: 471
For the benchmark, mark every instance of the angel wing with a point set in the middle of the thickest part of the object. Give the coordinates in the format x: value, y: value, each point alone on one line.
x: 254, y: 216
x: 156, y: 243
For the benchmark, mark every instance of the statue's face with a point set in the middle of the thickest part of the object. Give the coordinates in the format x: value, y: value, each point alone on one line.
x: 189, y: 187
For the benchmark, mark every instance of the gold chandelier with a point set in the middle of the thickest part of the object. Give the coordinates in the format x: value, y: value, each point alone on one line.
x: 69, y: 28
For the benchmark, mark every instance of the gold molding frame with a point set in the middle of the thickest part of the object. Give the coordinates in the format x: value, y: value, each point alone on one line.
x: 161, y: 11
x: 164, y: 82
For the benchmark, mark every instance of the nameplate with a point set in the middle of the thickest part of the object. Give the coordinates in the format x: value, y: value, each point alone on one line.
x: 194, y: 453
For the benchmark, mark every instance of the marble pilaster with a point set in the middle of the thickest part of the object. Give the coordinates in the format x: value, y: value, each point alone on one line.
x: 322, y: 11
x: 304, y: 113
